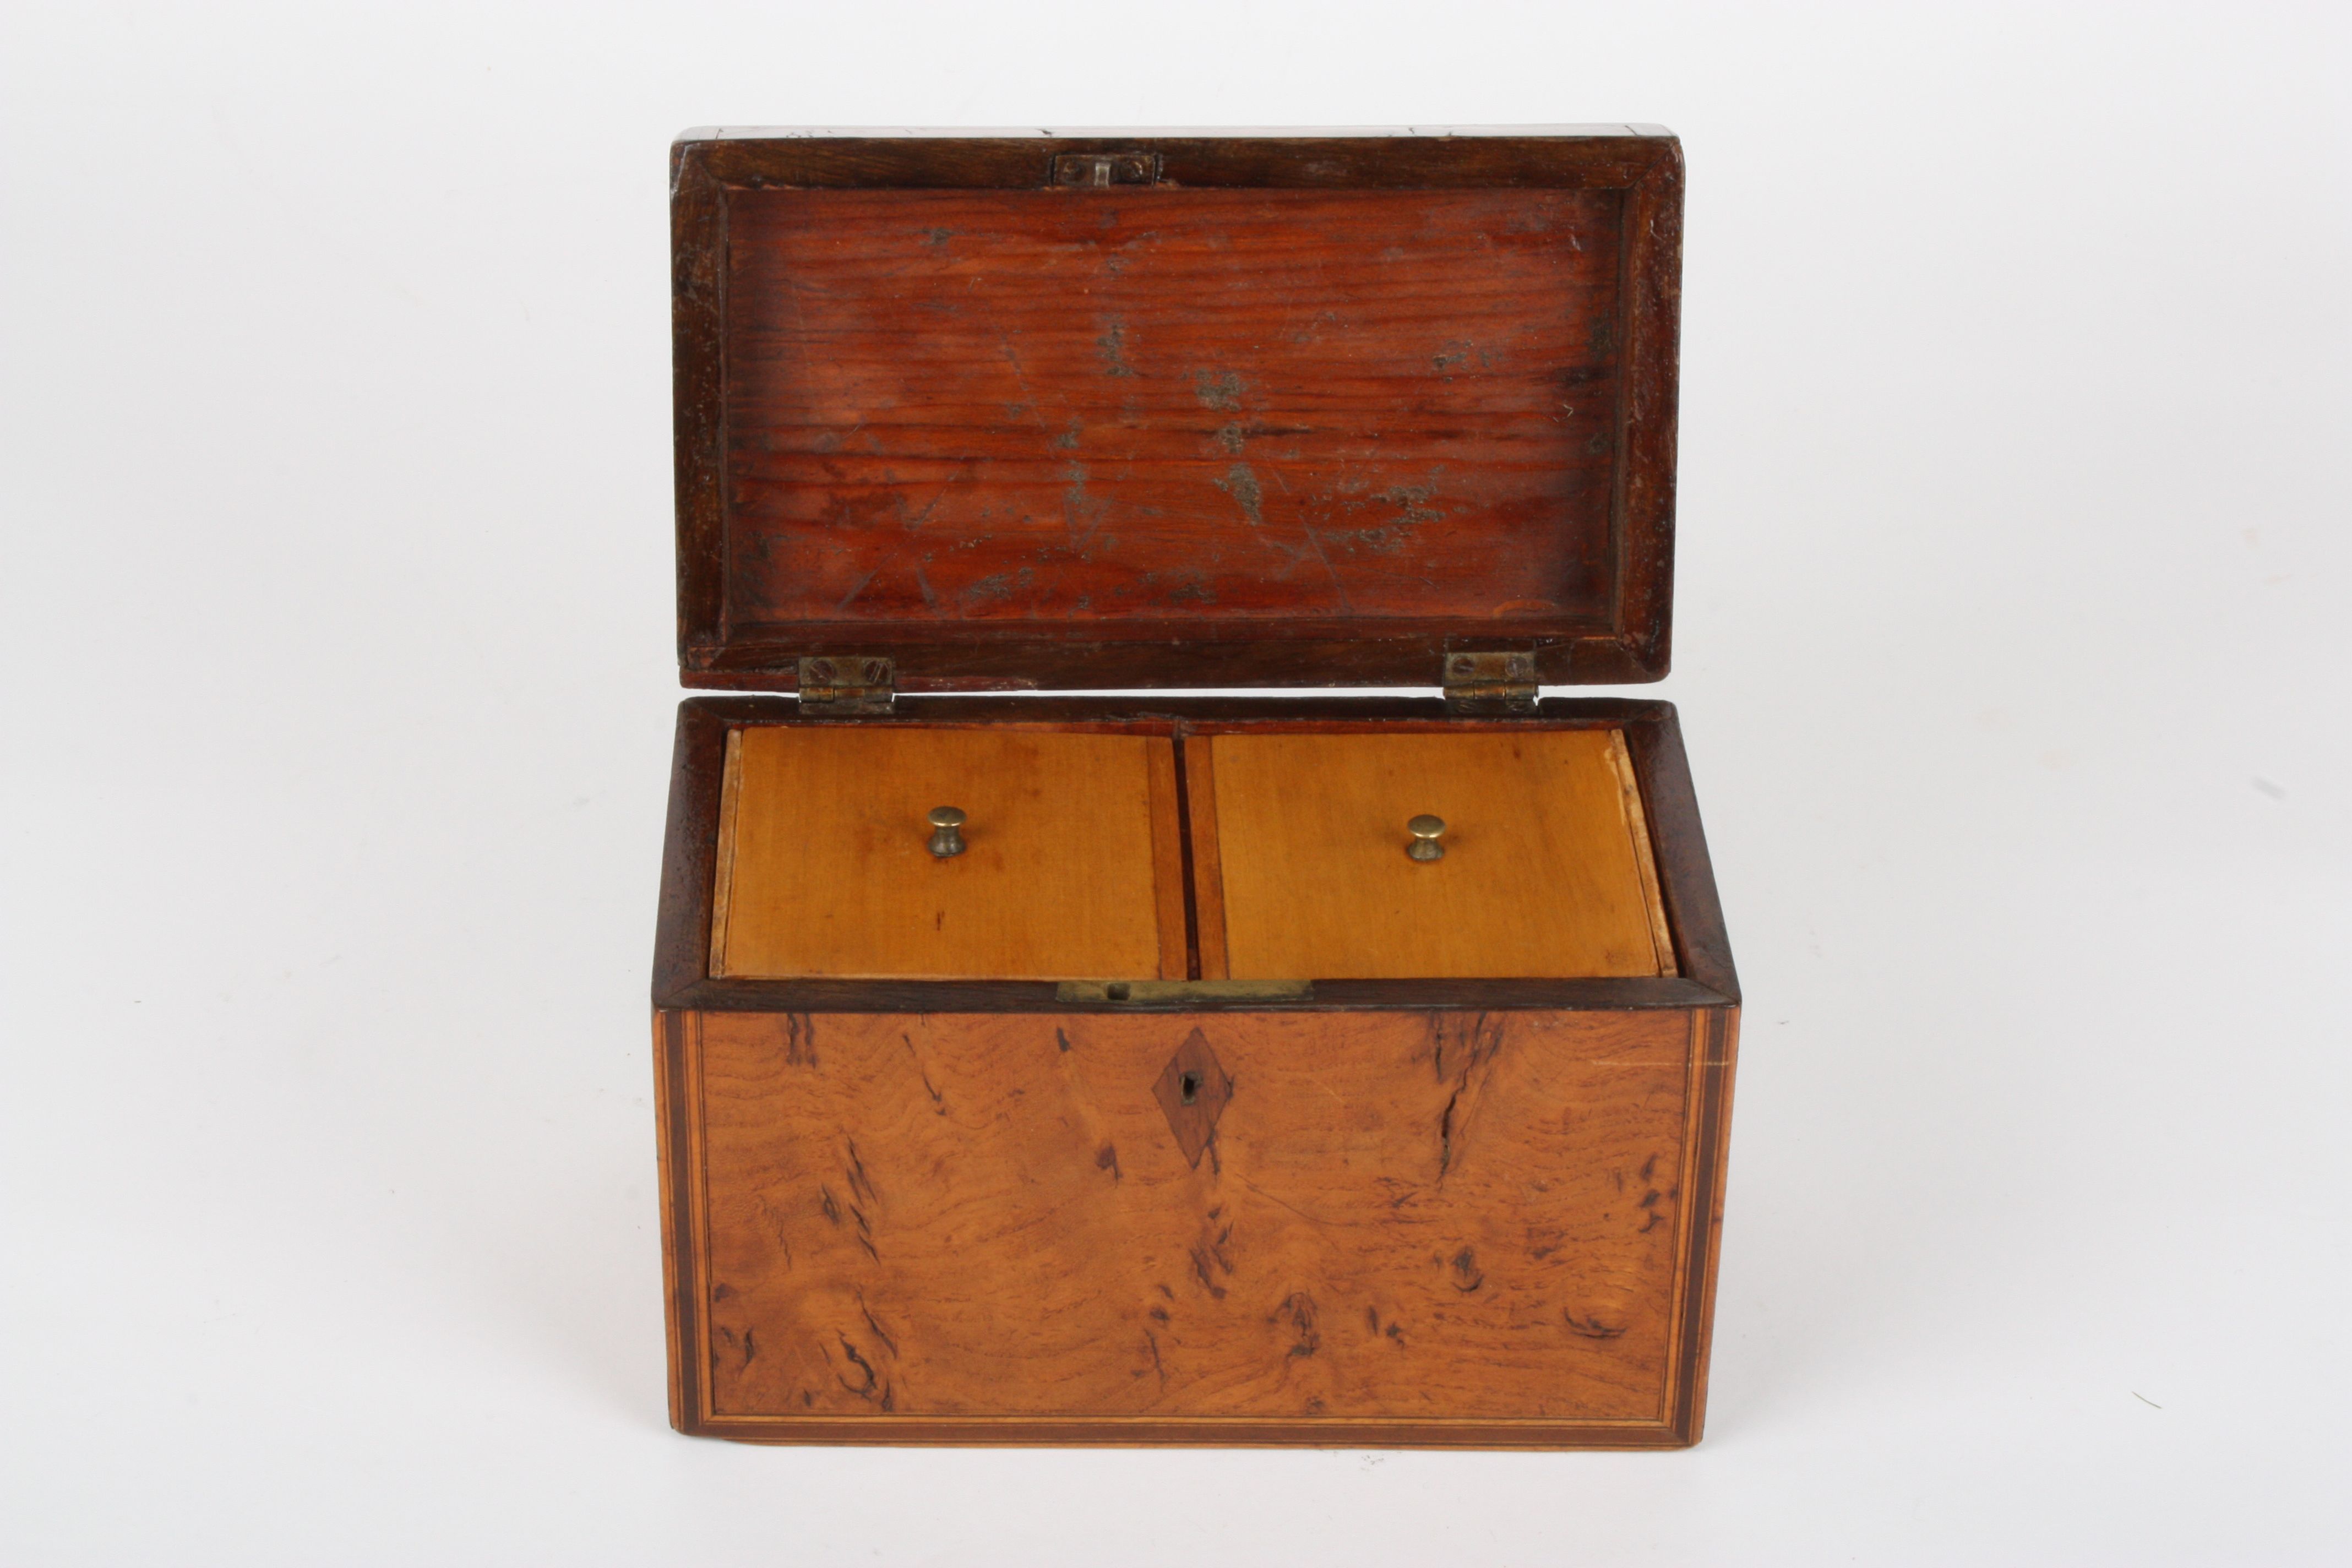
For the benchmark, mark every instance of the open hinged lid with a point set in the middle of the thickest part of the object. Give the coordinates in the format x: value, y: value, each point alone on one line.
x: 1106, y: 410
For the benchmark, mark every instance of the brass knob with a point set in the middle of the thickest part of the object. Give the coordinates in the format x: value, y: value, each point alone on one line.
x: 1424, y: 829
x: 946, y: 831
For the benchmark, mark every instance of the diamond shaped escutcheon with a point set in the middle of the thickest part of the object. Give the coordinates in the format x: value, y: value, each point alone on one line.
x: 1192, y: 1090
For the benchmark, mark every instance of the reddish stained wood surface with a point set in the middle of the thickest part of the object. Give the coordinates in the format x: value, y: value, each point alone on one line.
x: 1400, y: 1218
x: 997, y: 406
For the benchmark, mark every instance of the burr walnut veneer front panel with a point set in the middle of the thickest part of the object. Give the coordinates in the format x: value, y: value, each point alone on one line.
x: 1073, y: 868
x: 906, y: 1226
x: 1547, y: 871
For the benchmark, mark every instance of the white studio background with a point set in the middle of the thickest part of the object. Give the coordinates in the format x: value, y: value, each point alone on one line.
x: 2011, y: 651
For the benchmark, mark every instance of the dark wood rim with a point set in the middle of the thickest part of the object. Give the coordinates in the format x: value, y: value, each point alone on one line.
x: 698, y: 229
x: 1636, y: 646
x: 1011, y: 662
x: 1711, y: 1125
x: 682, y: 976
x: 1572, y: 160
x: 1111, y: 1432
x: 1329, y: 996
x: 674, y: 1125
x: 1686, y: 873
x: 1709, y: 1122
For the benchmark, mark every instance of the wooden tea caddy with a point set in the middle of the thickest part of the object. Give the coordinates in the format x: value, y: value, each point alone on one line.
x: 1190, y: 1102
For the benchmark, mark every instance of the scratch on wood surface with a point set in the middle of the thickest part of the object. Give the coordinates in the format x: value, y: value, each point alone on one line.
x: 1293, y: 1208
x: 779, y: 1230
x: 879, y: 1333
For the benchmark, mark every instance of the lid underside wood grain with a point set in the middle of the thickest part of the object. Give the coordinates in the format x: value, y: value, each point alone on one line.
x: 1299, y: 412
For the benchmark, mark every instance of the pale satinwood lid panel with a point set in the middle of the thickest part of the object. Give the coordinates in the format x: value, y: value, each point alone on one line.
x: 1547, y: 871
x: 1071, y: 867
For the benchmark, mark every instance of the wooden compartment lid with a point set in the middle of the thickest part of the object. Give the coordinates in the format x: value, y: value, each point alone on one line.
x: 1104, y: 410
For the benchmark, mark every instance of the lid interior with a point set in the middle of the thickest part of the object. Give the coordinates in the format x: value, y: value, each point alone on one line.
x: 1259, y: 421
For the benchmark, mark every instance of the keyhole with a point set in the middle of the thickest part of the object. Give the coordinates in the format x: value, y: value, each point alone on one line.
x: 1188, y: 1088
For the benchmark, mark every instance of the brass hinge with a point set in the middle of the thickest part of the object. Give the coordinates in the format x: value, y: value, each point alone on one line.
x: 1490, y: 682
x: 847, y: 684
x: 1106, y: 168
